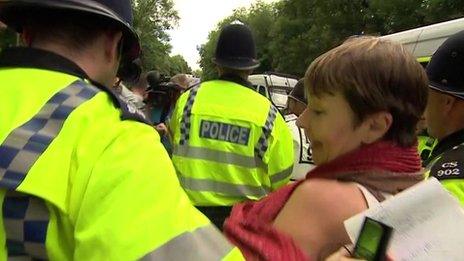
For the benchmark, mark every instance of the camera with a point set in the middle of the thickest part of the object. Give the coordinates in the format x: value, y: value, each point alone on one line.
x: 159, y: 83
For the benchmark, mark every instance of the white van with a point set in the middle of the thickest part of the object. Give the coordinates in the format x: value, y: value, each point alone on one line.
x: 424, y: 41
x: 274, y: 86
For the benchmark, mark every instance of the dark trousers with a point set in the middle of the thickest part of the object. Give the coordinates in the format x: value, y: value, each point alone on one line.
x: 217, y: 215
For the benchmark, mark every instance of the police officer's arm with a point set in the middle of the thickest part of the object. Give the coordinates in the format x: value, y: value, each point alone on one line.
x: 280, y: 156
x: 456, y: 188
x: 133, y: 207
x: 174, y: 121
x: 448, y: 168
x: 451, y: 176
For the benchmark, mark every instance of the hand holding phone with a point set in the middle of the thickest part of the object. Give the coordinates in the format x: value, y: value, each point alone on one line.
x: 372, y: 241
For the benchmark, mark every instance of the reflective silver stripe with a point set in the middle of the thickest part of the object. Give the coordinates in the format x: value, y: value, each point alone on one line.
x: 205, y: 243
x: 282, y: 175
x: 263, y: 142
x: 185, y: 121
x: 216, y: 156
x: 24, y: 145
x: 234, y: 190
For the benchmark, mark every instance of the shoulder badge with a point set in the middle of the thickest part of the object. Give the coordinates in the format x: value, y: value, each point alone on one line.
x: 128, y: 111
x: 450, y: 165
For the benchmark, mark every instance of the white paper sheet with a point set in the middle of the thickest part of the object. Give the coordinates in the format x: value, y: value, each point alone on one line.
x: 428, y: 223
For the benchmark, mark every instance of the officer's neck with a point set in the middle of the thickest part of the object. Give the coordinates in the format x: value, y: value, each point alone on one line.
x: 88, y: 60
x: 243, y: 74
x: 454, y: 120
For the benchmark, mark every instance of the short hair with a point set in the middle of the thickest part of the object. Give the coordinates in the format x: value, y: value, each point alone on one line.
x: 75, y: 30
x: 374, y: 75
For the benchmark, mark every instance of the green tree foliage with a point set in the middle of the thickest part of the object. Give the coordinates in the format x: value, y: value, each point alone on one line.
x: 152, y: 20
x: 198, y: 73
x: 177, y: 64
x: 259, y: 16
x: 206, y: 52
x: 387, y: 17
x: 442, y: 10
x: 291, y: 33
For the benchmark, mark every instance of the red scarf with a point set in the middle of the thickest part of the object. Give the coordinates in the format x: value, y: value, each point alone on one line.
x: 382, y: 166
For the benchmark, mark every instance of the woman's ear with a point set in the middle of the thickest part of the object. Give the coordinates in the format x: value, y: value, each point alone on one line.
x: 376, y: 126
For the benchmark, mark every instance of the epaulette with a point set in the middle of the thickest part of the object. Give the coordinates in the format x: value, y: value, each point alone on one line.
x: 192, y: 86
x: 450, y: 165
x: 128, y: 111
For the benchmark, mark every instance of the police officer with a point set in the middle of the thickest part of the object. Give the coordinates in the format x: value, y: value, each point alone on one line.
x: 296, y: 104
x: 230, y: 143
x: 80, y: 178
x: 445, y: 114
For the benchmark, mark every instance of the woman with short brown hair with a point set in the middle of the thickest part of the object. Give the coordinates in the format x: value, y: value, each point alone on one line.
x: 365, y: 99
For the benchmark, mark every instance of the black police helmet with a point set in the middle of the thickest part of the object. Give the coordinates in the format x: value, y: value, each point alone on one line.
x: 298, y: 93
x: 236, y: 48
x: 12, y: 13
x: 446, y: 68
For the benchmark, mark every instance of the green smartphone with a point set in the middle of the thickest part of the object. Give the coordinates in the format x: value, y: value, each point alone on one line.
x: 372, y: 241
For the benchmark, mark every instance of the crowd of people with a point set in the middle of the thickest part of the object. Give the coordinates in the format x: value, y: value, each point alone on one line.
x: 97, y: 165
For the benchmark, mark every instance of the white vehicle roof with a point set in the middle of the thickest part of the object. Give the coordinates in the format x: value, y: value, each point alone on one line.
x: 424, y: 41
x: 278, y: 86
x: 279, y: 99
x: 270, y: 80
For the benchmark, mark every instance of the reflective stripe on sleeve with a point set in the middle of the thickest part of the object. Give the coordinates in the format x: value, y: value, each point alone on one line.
x: 263, y: 142
x: 230, y: 189
x: 205, y: 243
x: 185, y: 121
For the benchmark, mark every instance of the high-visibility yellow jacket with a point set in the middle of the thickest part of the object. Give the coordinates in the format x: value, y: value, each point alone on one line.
x: 230, y: 144
x: 446, y: 163
x: 448, y: 168
x: 79, y: 183
x: 425, y: 146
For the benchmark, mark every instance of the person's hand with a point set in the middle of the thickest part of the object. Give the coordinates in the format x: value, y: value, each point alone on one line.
x: 162, y: 129
x: 341, y: 255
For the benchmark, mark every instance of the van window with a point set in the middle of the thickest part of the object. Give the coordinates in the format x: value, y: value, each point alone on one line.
x: 262, y: 90
x: 279, y: 98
